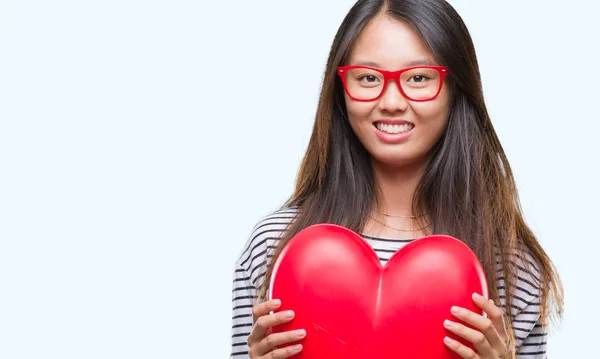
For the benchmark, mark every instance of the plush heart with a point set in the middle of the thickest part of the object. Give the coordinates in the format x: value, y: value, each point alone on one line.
x: 353, y: 308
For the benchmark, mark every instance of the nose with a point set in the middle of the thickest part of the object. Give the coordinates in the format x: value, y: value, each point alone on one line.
x: 392, y: 99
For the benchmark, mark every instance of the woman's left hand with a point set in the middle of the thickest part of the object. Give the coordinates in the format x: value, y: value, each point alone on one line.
x: 490, y: 338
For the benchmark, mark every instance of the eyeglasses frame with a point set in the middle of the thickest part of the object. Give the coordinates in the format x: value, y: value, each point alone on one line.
x: 392, y: 75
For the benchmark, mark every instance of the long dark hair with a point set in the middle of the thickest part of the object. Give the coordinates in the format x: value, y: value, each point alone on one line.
x: 468, y: 189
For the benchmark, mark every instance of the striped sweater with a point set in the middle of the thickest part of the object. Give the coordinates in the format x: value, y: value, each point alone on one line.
x: 250, y: 269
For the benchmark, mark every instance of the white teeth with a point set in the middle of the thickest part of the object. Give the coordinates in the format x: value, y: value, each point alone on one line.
x: 394, y: 129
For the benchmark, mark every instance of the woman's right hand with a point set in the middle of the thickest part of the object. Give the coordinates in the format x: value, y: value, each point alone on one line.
x: 263, y: 342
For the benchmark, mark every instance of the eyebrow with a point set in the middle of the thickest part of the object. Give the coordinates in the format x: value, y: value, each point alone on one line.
x: 419, y: 62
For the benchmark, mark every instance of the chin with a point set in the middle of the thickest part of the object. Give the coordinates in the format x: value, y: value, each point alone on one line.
x: 399, y: 159
x: 393, y: 160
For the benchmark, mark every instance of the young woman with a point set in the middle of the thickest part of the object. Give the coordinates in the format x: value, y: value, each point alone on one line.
x: 403, y: 147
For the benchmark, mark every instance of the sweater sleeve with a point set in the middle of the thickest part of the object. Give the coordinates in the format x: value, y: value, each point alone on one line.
x: 531, y: 337
x: 243, y: 296
x: 249, y: 274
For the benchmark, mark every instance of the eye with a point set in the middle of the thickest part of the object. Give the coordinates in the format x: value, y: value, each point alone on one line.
x: 419, y: 78
x: 368, y: 78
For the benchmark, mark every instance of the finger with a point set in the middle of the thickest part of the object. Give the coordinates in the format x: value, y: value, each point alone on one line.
x: 494, y: 313
x: 264, y: 308
x: 476, y: 337
x: 283, y: 352
x: 273, y: 340
x: 460, y: 349
x: 483, y: 324
x: 264, y: 323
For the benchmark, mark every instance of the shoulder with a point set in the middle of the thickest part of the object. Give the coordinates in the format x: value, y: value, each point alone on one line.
x: 263, y: 240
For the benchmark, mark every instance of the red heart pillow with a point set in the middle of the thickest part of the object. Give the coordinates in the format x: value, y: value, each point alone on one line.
x: 353, y: 308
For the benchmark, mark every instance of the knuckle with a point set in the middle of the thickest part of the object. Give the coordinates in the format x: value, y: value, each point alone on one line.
x: 250, y: 340
x: 479, y: 338
x: 252, y: 353
x: 270, y: 340
x: 487, y: 325
x: 260, y: 322
x: 273, y: 354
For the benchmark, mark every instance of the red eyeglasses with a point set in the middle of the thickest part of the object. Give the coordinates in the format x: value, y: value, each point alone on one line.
x: 418, y: 83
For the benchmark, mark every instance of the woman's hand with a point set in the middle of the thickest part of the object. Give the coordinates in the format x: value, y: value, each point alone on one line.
x: 490, y: 338
x: 262, y: 342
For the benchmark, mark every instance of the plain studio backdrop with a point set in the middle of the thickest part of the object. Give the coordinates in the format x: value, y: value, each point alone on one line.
x: 140, y: 141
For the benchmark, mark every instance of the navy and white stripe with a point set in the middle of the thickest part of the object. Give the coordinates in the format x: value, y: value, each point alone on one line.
x: 250, y: 269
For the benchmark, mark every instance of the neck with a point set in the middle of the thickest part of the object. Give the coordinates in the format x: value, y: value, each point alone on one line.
x: 397, y: 187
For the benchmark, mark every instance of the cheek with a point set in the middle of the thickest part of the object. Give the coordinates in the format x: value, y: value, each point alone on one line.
x: 359, y: 109
x: 359, y: 112
x: 433, y: 114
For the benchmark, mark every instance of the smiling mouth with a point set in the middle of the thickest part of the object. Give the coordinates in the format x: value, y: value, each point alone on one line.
x: 394, y: 129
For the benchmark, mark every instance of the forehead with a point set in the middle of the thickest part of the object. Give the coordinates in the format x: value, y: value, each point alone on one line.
x: 390, y: 44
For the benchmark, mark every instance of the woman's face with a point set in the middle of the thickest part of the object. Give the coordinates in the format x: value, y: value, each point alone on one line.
x: 391, y: 45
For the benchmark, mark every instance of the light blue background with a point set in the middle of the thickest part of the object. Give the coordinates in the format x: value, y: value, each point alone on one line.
x: 140, y: 141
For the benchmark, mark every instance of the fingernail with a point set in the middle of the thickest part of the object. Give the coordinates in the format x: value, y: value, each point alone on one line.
x: 478, y: 296
x: 276, y: 302
x: 288, y: 314
x: 456, y: 310
x: 300, y: 333
x: 449, y: 324
x: 296, y: 348
x: 449, y: 341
